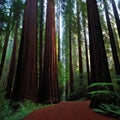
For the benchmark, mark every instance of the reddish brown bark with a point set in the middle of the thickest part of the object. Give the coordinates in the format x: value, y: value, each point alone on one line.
x: 41, y: 45
x: 98, y: 58
x: 26, y: 84
x: 50, y: 72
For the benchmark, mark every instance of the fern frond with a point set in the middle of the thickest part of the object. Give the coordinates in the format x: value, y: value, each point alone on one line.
x: 100, y: 84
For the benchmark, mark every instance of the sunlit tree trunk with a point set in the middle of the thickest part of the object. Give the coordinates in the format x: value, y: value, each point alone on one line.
x: 116, y: 15
x: 112, y: 40
x: 79, y: 41
x: 86, y: 53
x: 5, y: 45
x: 58, y: 28
x: 12, y: 63
x: 99, y: 64
x: 26, y: 84
x: 70, y: 57
x: 50, y: 91
x: 41, y: 45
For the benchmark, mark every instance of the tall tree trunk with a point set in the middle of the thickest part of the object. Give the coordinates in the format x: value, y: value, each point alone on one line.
x: 86, y: 53
x: 12, y: 63
x: 5, y: 45
x: 50, y: 91
x: 7, y: 35
x: 112, y: 40
x: 4, y: 52
x: 26, y: 84
x: 116, y: 41
x: 99, y: 64
x: 116, y: 15
x: 79, y: 42
x: 70, y: 57
x: 58, y: 28
x: 41, y: 45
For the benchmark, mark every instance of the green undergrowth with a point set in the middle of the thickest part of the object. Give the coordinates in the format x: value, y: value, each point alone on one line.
x: 113, y: 108
x: 10, y: 110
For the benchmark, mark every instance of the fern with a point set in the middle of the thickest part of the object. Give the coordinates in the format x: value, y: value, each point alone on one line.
x: 100, y: 92
x: 100, y: 84
x: 109, y: 109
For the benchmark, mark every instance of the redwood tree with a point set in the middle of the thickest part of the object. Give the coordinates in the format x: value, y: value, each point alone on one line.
x: 50, y: 91
x: 79, y: 39
x: 112, y: 40
x: 58, y: 28
x: 12, y: 63
x: 116, y: 15
x: 70, y: 57
x: 17, y: 11
x: 99, y: 64
x: 26, y: 84
x: 7, y: 35
x: 41, y: 43
x: 84, y: 23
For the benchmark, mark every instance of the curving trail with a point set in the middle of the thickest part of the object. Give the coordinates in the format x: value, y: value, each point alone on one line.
x: 67, y: 111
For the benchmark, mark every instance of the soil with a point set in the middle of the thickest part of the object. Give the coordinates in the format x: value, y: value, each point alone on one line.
x: 67, y: 111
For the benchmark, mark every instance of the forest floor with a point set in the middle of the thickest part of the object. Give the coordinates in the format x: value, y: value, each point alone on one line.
x: 67, y: 111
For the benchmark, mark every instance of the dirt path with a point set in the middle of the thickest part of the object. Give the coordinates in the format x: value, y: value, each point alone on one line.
x: 67, y: 111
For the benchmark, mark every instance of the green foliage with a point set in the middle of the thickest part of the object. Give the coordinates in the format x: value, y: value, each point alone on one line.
x: 61, y: 71
x: 11, y: 110
x: 101, y: 89
x: 109, y: 109
x: 100, y: 84
x: 24, y: 109
x: 112, y: 109
x: 80, y: 93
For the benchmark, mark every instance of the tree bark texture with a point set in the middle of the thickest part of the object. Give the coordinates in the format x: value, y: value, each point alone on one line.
x: 50, y: 90
x: 98, y: 58
x: 41, y: 45
x: 26, y: 84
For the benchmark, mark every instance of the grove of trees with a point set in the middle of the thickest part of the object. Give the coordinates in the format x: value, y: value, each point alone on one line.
x: 52, y: 50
